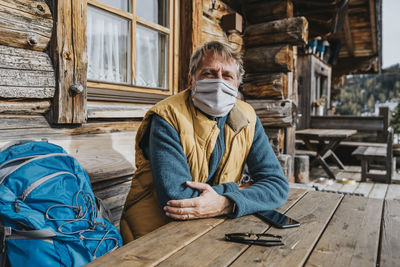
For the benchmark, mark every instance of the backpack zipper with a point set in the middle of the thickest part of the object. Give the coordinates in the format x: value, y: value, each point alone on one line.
x: 34, y: 185
x: 29, y: 161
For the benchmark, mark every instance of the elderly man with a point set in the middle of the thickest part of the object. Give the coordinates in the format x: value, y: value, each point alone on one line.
x: 192, y: 148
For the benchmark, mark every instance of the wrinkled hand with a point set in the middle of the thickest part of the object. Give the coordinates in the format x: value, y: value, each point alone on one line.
x: 208, y: 204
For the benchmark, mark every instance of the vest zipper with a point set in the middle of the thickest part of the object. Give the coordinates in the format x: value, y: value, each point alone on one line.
x: 230, y: 152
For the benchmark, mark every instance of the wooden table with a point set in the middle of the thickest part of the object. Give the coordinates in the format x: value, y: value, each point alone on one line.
x: 325, y: 149
x: 336, y: 230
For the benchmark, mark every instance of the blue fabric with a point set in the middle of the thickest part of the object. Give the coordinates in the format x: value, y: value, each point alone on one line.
x: 51, y: 193
x: 171, y: 171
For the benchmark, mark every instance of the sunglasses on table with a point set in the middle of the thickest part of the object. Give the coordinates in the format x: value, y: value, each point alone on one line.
x: 255, y: 239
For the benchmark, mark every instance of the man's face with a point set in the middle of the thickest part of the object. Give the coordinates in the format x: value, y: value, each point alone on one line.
x: 214, y: 66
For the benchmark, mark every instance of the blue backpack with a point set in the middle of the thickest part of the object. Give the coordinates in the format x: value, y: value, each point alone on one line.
x: 48, y: 213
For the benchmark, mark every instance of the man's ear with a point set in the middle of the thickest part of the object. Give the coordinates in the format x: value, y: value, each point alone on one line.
x: 190, y: 81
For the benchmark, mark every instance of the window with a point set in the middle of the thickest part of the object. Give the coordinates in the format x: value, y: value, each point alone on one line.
x: 131, y: 46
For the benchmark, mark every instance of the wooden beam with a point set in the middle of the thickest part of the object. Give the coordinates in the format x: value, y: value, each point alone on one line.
x: 277, y: 58
x: 24, y: 107
x: 263, y: 11
x: 290, y: 31
x: 373, y: 25
x: 25, y: 24
x: 348, y: 36
x: 70, y: 59
x: 266, y: 85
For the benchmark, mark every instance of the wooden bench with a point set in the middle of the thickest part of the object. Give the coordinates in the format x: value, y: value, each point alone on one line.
x: 377, y: 158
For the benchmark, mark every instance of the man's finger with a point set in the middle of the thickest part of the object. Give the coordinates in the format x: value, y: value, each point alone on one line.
x: 199, y: 186
x: 184, y: 203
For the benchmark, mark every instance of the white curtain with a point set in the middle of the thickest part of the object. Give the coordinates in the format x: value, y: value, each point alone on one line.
x: 147, y: 57
x: 107, y: 46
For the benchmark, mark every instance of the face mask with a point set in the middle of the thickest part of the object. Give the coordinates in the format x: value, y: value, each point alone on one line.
x: 215, y: 97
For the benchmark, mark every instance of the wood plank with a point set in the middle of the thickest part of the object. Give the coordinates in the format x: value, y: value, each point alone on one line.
x: 313, y: 211
x: 393, y: 192
x: 352, y: 236
x: 173, y: 237
x: 25, y: 24
x: 390, y: 243
x: 378, y: 191
x: 25, y: 107
x: 273, y: 112
x: 278, y: 58
x: 289, y: 31
x: 68, y: 51
x: 349, y: 188
x: 364, y: 188
x: 204, y: 250
x: 24, y: 59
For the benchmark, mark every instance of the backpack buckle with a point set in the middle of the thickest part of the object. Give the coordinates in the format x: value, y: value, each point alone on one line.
x: 5, y: 231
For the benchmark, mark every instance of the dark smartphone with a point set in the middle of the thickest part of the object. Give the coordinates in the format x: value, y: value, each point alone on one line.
x: 277, y: 219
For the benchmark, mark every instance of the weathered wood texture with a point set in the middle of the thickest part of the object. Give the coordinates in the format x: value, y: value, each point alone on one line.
x: 273, y: 112
x: 285, y: 31
x: 204, y: 249
x: 70, y: 59
x: 265, y: 85
x: 25, y: 74
x: 314, y: 211
x: 390, y: 242
x: 106, y: 150
x: 177, y: 233
x: 25, y: 24
x: 357, y: 221
x: 278, y: 58
x: 190, y: 36
x: 276, y: 138
x: 24, y: 107
x: 262, y: 11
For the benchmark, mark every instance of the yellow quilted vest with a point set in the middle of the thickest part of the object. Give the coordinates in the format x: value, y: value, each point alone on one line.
x: 198, y: 134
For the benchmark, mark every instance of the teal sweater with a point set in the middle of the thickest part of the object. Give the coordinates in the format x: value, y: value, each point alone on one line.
x: 170, y: 169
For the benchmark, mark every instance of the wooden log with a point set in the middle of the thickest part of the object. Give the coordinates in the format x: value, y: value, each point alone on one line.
x: 274, y: 113
x: 25, y: 24
x: 263, y: 11
x: 25, y: 74
x: 290, y: 31
x: 276, y: 138
x: 269, y: 59
x: 268, y: 85
x: 70, y: 60
x: 24, y: 107
x: 301, y: 169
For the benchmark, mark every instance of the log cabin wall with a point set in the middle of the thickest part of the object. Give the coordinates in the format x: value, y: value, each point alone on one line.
x: 270, y: 86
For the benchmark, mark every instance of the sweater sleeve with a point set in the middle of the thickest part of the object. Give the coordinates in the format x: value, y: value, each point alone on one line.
x: 169, y: 164
x: 270, y: 188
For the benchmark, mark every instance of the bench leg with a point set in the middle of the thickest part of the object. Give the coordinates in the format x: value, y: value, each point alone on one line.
x: 364, y: 170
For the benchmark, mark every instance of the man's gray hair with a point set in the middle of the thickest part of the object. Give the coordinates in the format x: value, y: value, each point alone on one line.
x: 225, y: 50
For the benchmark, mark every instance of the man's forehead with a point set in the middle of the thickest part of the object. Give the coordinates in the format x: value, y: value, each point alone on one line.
x: 210, y: 59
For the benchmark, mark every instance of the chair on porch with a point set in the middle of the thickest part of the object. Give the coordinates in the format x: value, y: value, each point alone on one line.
x: 377, y: 158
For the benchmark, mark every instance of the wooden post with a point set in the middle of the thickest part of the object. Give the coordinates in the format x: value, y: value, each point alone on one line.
x: 301, y: 169
x: 385, y: 112
x: 68, y: 48
x: 190, y: 36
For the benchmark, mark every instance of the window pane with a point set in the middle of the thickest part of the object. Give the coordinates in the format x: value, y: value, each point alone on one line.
x: 153, y: 10
x: 120, y: 4
x: 151, y: 58
x: 108, y: 46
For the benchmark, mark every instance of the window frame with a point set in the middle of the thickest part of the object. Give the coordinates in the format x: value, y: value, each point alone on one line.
x: 172, y: 57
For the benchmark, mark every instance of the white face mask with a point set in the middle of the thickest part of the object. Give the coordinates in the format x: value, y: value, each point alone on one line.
x: 215, y: 97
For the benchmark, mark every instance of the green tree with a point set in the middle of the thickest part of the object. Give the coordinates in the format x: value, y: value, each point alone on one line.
x: 396, y: 120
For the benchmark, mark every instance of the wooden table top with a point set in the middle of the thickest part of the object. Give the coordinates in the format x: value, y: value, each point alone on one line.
x: 335, y: 230
x: 325, y: 133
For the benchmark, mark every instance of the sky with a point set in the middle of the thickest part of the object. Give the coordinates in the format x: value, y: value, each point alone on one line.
x: 391, y: 32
